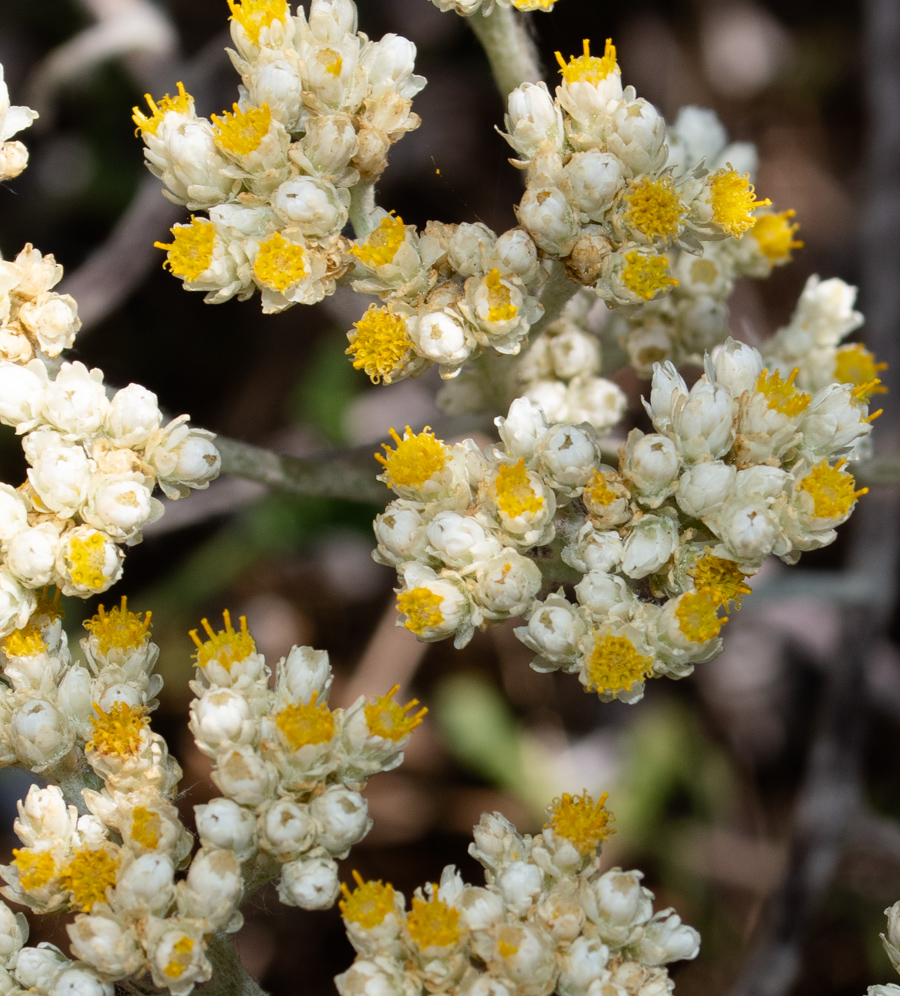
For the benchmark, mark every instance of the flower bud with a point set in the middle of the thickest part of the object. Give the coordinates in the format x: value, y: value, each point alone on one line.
x: 311, y: 884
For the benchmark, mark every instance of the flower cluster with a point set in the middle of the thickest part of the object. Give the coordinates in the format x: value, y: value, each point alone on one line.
x: 741, y: 466
x: 693, y: 316
x: 601, y: 192
x: 320, y: 107
x: 545, y: 921
x: 13, y: 155
x: 116, y: 864
x: 291, y: 769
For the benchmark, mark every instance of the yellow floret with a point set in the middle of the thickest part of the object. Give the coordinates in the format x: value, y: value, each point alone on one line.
x: 855, y: 365
x: 88, y: 875
x: 182, y: 960
x: 368, y: 904
x: 614, y: 664
x: 781, y: 395
x: 583, y: 822
x: 227, y: 646
x: 381, y: 245
x: 422, y: 608
x: 722, y: 578
x: 390, y: 720
x: 25, y: 642
x: 698, y: 617
x: 280, y: 264
x: 181, y: 103
x: 647, y: 275
x: 775, y: 235
x: 254, y: 15
x: 88, y: 560
x: 417, y: 458
x: 118, y: 629
x: 832, y: 490
x: 433, y: 924
x: 118, y: 732
x: 514, y: 493
x: 598, y: 490
x: 146, y: 827
x: 500, y: 306
x: 733, y: 201
x: 655, y: 208
x: 240, y: 132
x: 381, y: 343
x: 37, y: 869
x: 588, y: 68
x: 190, y: 252
x: 306, y: 724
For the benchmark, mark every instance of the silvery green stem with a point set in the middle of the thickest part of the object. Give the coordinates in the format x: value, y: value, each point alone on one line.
x: 510, y: 51
x: 556, y: 294
x: 230, y: 978
x: 362, y: 204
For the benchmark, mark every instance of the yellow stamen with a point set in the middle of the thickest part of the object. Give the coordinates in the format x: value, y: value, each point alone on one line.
x: 654, y: 208
x: 37, y: 869
x: 25, y: 642
x: 417, y: 458
x: 227, y: 647
x: 88, y: 560
x: 381, y: 245
x: 368, y: 904
x: 588, y: 68
x: 614, y: 665
x: 647, y: 275
x: 513, y: 492
x: 855, y: 365
x: 146, y: 827
x: 733, y: 201
x: 698, y: 617
x: 598, y: 491
x: 775, y: 235
x: 182, y: 960
x: 88, y: 875
x: 190, y: 252
x: 722, y: 578
x: 433, y: 924
x: 280, y: 264
x: 254, y: 15
x: 832, y: 490
x: 118, y: 629
x: 119, y: 731
x: 333, y: 61
x: 241, y: 132
x: 500, y: 306
x: 387, y: 718
x: 422, y: 608
x: 306, y: 724
x: 781, y: 395
x: 381, y: 343
x: 584, y: 823
x: 181, y: 103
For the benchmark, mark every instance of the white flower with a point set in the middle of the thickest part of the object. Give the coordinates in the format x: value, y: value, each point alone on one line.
x: 120, y: 507
x: 591, y: 181
x: 506, y: 584
x: 555, y: 628
x: 667, y: 939
x: 40, y: 734
x: 223, y: 823
x: 316, y: 207
x: 650, y: 466
x: 704, y: 487
x: 13, y: 933
x: 603, y: 594
x: 440, y: 336
x: 221, y: 717
x: 566, y: 455
x: 176, y: 952
x: 75, y: 402
x: 649, y: 544
x: 433, y: 607
x: 458, y: 540
x: 213, y: 889
x: 16, y: 603
x: 132, y: 416
x: 303, y: 672
x: 399, y: 532
x: 520, y: 883
x: 31, y: 554
x: 244, y: 776
x: 594, y: 550
x: 53, y: 321
x: 311, y: 884
x: 145, y: 887
x: 520, y: 430
x: 79, y: 980
x: 582, y: 963
x: 12, y: 119
x: 286, y: 829
x: 342, y: 819
x: 88, y: 562
x: 36, y: 967
x: 107, y: 943
x: 549, y: 219
x: 617, y: 903
x: 22, y: 393
x: 532, y: 118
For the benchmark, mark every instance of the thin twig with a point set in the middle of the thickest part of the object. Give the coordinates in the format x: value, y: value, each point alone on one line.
x: 510, y: 51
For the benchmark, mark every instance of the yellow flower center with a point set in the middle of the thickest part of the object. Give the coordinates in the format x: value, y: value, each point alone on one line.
x: 698, y: 617
x: 119, y: 629
x: 306, y: 724
x: 380, y: 345
x: 119, y: 731
x: 507, y: 945
x: 588, y: 68
x: 390, y: 720
x: 732, y: 198
x: 280, y: 264
x: 500, y: 306
x: 614, y: 664
x: 654, y: 208
x: 37, y: 869
x: 422, y: 608
x: 381, y: 245
x: 417, y: 458
x: 146, y: 827
x: 646, y: 275
x: 533, y: 4
x: 332, y: 61
x: 227, y: 646
x: 368, y: 904
x: 25, y: 642
x: 598, y: 491
x: 181, y: 960
x: 781, y: 395
x: 240, y: 132
x: 583, y: 822
x: 856, y: 365
x: 254, y: 15
x: 775, y: 235
x: 88, y: 875
x: 723, y: 579
x: 513, y: 491
x: 190, y: 252
x: 181, y: 103
x: 832, y: 490
x: 87, y: 558
x: 433, y: 923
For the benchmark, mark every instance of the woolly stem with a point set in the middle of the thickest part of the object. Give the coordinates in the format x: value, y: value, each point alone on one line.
x: 510, y: 51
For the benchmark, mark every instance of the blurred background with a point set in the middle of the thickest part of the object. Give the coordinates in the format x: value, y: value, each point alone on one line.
x: 759, y: 795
